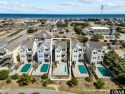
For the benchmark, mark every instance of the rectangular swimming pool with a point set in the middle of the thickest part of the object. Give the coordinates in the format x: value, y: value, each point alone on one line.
x: 26, y: 67
x: 63, y: 68
x: 44, y: 68
x: 103, y: 71
x: 82, y: 69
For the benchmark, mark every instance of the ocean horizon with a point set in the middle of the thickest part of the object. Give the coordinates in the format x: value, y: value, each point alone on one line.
x: 63, y: 16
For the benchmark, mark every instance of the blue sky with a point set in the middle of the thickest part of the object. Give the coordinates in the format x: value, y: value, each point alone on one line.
x: 62, y: 6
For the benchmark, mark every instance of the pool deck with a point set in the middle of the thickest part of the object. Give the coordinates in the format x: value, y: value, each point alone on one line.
x: 57, y: 71
x: 98, y: 73
x: 77, y: 73
x: 19, y: 70
x: 37, y: 71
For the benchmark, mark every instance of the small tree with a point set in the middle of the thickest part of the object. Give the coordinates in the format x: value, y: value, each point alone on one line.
x: 4, y: 74
x: 99, y: 84
x: 45, y: 83
x: 25, y: 79
x: 30, y: 30
x: 77, y: 30
x: 73, y: 82
x: 15, y: 76
x: 8, y: 81
x: 97, y: 37
x: 33, y: 80
x: 44, y: 76
x: 89, y: 78
x: 85, y: 39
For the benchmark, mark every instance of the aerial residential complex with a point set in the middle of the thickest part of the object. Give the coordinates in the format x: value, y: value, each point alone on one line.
x: 42, y: 53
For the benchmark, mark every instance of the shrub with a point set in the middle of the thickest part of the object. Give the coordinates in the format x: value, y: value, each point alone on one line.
x: 8, y: 81
x: 4, y: 74
x: 30, y: 30
x: 99, y: 84
x: 89, y: 78
x: 33, y: 80
x: 35, y: 93
x: 44, y: 76
x: 73, y: 82
x: 15, y: 76
x: 25, y: 79
x: 45, y: 83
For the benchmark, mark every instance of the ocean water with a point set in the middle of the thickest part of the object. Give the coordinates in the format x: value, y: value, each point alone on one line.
x: 61, y: 16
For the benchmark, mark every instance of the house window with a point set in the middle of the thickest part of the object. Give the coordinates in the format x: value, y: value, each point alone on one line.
x: 94, y: 52
x: 80, y: 49
x: 99, y: 51
x: 63, y: 49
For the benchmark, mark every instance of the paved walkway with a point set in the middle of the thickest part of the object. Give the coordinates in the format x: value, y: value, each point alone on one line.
x: 32, y: 90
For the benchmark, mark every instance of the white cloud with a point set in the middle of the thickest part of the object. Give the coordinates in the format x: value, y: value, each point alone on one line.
x: 114, y: 5
x: 90, y: 1
x: 3, y: 3
x: 17, y: 4
x: 70, y: 4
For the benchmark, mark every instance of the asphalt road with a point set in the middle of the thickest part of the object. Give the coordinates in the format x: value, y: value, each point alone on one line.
x: 32, y: 90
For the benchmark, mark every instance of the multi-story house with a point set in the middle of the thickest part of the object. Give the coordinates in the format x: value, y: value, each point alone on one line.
x: 43, y: 52
x: 77, y: 51
x: 27, y: 51
x: 94, y: 52
x: 42, y: 36
x: 97, y: 30
x: 60, y: 51
x: 5, y: 55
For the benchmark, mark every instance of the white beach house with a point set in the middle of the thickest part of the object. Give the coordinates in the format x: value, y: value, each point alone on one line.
x: 77, y: 51
x: 94, y: 52
x: 61, y: 51
x: 43, y: 52
x: 27, y: 51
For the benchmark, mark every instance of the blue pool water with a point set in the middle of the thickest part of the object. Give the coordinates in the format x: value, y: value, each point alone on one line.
x: 44, y: 68
x: 63, y: 68
x: 26, y: 67
x: 103, y: 71
x: 82, y: 69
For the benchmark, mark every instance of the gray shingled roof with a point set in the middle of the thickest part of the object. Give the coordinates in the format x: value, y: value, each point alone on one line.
x: 2, y: 50
x: 43, y: 34
x: 27, y: 44
x: 60, y: 43
x: 45, y: 43
x: 3, y: 43
x: 13, y: 45
x: 74, y: 42
x: 94, y: 45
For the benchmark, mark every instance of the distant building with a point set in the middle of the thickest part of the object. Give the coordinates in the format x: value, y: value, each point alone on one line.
x: 57, y: 31
x: 19, y: 21
x: 43, y: 52
x: 77, y: 22
x: 77, y: 51
x: 51, y: 22
x: 97, y: 30
x: 60, y: 51
x: 27, y: 51
x: 94, y: 52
